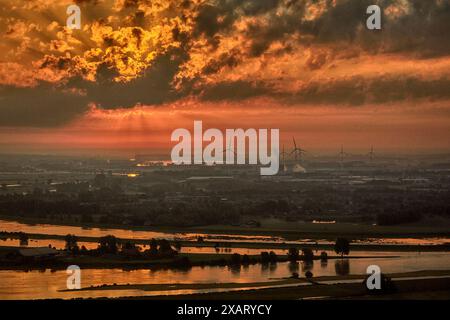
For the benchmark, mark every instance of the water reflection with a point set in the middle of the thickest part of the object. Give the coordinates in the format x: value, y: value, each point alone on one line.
x: 307, y: 266
x: 272, y: 267
x: 342, y: 267
x: 293, y: 267
x: 267, y: 270
x: 46, y: 283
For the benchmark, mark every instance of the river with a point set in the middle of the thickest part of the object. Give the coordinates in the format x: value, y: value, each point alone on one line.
x: 44, y: 284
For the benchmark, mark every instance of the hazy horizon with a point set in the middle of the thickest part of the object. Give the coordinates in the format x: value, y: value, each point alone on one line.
x: 134, y: 73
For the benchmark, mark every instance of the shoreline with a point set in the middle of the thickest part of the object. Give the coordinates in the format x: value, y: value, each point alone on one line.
x: 195, y: 260
x: 322, y: 232
x: 263, y: 245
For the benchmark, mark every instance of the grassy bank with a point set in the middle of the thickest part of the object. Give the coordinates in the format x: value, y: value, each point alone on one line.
x: 263, y: 245
x: 122, y: 262
x: 438, y: 288
x: 298, y: 288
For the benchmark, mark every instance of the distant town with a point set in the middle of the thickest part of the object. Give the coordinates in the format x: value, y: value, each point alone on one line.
x: 141, y: 192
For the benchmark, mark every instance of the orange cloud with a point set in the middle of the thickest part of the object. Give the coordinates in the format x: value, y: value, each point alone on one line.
x: 308, y: 67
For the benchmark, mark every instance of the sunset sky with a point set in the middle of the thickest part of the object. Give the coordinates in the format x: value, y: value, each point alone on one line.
x: 138, y: 69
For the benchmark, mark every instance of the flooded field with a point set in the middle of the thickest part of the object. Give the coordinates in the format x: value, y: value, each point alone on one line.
x: 48, y: 229
x: 43, y: 284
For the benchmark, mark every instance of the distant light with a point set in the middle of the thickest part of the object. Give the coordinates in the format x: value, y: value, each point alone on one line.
x: 132, y: 175
x: 324, y: 221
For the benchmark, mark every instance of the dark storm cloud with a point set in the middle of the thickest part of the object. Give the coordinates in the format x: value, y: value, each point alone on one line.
x: 359, y: 91
x: 354, y: 91
x: 39, y: 106
x: 228, y: 59
x: 235, y: 91
x: 48, y: 105
x: 421, y: 30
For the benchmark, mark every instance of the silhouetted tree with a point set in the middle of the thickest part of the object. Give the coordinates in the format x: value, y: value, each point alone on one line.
x: 108, y: 244
x: 245, y: 259
x: 265, y: 257
x: 235, y: 259
x: 273, y: 256
x: 130, y: 249
x: 128, y: 245
x: 342, y: 246
x: 307, y: 254
x: 165, y: 248
x: 23, y: 238
x: 293, y: 254
x: 71, y: 242
x: 153, y: 247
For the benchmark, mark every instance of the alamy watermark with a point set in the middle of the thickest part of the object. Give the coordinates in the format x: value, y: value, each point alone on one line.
x: 373, y: 282
x: 74, y: 17
x: 373, y: 22
x: 232, y: 149
x: 74, y: 279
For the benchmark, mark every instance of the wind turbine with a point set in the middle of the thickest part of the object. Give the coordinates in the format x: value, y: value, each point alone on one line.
x: 283, y: 155
x: 229, y: 149
x: 371, y: 154
x: 342, y: 154
x: 297, y: 151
